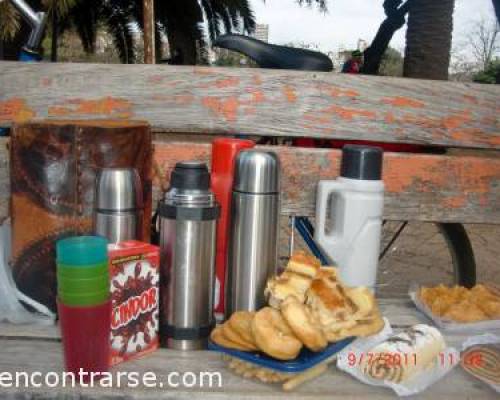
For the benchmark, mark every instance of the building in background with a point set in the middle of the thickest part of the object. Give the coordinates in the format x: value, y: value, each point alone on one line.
x: 261, y: 32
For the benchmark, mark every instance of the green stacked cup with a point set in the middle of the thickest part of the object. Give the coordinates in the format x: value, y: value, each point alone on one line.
x: 82, y: 270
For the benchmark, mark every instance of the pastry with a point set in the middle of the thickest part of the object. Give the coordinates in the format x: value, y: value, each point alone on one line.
x: 304, y: 324
x: 483, y: 362
x: 424, y: 341
x: 303, y: 264
x: 232, y: 335
x: 461, y: 304
x: 273, y: 335
x: 241, y: 322
x: 218, y: 337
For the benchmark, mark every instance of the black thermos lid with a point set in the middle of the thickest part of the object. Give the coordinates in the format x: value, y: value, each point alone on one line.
x: 361, y: 162
x: 190, y: 175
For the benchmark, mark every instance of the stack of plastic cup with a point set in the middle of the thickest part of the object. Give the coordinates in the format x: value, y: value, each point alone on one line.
x: 84, y: 302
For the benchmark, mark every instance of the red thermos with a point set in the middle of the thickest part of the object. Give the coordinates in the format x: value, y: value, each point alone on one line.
x: 224, y: 152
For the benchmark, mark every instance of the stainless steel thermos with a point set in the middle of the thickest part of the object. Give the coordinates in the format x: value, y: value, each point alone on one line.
x: 188, y: 218
x: 253, y: 248
x: 118, y: 209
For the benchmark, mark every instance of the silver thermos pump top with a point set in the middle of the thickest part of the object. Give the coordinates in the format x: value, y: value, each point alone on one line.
x: 188, y: 220
x: 118, y: 208
x: 253, y: 248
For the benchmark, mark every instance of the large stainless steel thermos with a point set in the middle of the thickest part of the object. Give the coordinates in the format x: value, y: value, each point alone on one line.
x: 253, y: 250
x: 118, y: 209
x: 188, y: 219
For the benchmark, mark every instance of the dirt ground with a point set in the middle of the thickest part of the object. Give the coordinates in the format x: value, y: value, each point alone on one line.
x: 421, y: 255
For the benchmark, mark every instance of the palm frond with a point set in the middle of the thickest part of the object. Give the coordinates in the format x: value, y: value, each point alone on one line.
x: 118, y: 20
x: 85, y: 18
x: 10, y: 21
x: 60, y: 7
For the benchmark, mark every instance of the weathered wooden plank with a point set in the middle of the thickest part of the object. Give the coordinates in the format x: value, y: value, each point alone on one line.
x: 43, y: 357
x: 39, y: 353
x: 418, y: 187
x: 256, y: 102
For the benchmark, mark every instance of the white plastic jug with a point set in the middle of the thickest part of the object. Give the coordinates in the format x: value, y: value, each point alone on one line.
x: 353, y: 242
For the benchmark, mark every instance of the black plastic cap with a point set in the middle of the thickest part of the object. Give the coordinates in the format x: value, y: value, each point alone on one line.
x: 361, y: 162
x: 190, y: 175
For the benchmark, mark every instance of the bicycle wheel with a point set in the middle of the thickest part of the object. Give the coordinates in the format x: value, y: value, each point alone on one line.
x: 426, y: 253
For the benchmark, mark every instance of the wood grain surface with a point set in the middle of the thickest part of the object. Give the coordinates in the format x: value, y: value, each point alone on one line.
x: 32, y: 348
x: 419, y: 187
x: 256, y: 102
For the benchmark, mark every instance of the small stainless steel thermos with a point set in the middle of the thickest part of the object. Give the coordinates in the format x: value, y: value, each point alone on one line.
x: 118, y: 209
x: 188, y: 220
x: 253, y: 250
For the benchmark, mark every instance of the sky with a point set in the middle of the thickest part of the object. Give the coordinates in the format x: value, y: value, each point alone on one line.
x: 347, y: 21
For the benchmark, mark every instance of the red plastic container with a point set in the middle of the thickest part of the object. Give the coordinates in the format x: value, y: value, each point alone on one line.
x: 85, y: 335
x: 224, y: 152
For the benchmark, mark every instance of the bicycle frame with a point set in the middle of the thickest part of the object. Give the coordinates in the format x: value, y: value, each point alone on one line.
x: 37, y: 22
x: 29, y: 52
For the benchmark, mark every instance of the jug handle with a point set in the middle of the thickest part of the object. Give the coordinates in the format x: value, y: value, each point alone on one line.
x: 325, y: 189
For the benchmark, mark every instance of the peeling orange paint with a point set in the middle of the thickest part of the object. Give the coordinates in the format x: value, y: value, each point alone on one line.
x: 15, y: 110
x: 456, y: 120
x: 225, y: 107
x: 470, y: 99
x: 389, y: 117
x: 350, y: 113
x: 257, y: 96
x: 464, y: 177
x: 406, y: 102
x: 455, y: 201
x: 257, y: 80
x: 290, y: 94
x: 227, y: 82
x: 112, y: 106
x: 474, y: 135
x: 339, y: 92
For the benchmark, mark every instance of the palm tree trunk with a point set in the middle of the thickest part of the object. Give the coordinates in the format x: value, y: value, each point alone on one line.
x: 428, y: 39
x: 54, y: 38
x: 182, y: 46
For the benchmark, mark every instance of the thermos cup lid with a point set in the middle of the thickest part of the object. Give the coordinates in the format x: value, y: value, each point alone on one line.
x: 118, y: 189
x: 82, y: 250
x: 257, y: 172
x: 190, y: 175
x: 361, y: 162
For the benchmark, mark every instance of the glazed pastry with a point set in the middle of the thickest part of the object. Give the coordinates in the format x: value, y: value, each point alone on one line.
x: 424, y: 341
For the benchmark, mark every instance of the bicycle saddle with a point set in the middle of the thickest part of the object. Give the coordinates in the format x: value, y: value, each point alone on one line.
x: 273, y: 56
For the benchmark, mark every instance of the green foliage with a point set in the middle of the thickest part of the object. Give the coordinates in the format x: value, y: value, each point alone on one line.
x: 392, y: 63
x: 10, y: 21
x: 186, y: 17
x: 490, y: 75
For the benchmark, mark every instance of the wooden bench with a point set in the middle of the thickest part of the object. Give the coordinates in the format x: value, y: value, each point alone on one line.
x: 31, y: 348
x: 187, y: 106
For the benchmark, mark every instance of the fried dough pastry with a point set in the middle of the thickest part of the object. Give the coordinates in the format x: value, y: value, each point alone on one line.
x: 461, y: 304
x: 304, y: 324
x: 274, y: 336
x: 309, y: 307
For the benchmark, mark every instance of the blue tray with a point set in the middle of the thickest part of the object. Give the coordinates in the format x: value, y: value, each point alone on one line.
x: 304, y: 361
